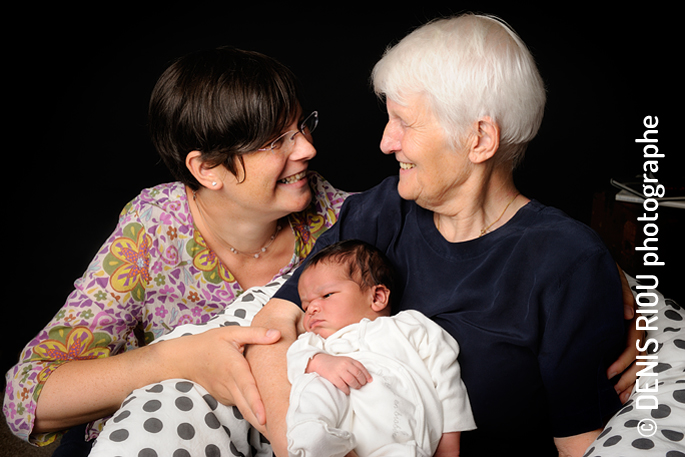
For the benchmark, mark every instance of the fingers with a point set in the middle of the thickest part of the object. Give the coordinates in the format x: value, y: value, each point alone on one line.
x: 362, y: 375
x: 251, y: 406
x: 628, y: 376
x: 629, y: 303
x: 241, y: 336
x: 630, y: 353
x: 237, y: 383
x: 342, y: 385
x: 624, y: 386
x: 626, y: 358
x: 248, y: 400
x: 247, y: 396
x: 356, y: 377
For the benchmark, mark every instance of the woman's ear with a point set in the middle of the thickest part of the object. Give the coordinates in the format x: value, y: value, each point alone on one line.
x: 485, y: 141
x: 206, y: 176
x: 380, y: 297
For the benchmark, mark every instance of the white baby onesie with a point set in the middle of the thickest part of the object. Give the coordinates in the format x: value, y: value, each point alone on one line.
x: 416, y: 394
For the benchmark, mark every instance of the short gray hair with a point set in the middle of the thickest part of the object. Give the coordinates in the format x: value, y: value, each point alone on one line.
x: 468, y: 66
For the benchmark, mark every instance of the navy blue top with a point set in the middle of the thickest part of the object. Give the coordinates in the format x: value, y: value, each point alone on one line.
x: 535, y: 306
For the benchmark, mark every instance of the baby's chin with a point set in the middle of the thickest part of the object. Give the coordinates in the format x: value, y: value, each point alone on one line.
x: 322, y: 332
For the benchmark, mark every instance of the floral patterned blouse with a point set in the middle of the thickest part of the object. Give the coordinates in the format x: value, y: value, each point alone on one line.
x: 153, y: 273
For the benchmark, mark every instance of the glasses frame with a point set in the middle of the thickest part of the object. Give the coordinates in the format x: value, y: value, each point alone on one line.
x: 313, y: 118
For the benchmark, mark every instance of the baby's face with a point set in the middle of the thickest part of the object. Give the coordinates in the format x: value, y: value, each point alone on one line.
x: 331, y: 300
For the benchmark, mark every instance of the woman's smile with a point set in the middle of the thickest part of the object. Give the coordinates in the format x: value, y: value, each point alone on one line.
x: 292, y: 179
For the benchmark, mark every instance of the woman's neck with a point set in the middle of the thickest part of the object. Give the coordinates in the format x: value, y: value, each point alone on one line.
x: 228, y: 228
x: 251, y: 245
x: 484, y: 203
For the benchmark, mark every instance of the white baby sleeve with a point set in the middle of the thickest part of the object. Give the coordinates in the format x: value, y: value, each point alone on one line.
x: 317, y: 408
x: 439, y: 352
x: 301, y: 352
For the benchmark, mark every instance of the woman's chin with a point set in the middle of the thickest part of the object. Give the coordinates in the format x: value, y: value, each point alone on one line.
x: 406, y: 191
x: 298, y: 199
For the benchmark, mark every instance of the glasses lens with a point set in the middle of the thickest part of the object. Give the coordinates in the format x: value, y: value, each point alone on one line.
x: 309, y: 124
x: 306, y: 128
x: 278, y: 142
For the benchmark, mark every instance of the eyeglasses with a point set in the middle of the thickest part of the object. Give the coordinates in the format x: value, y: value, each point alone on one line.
x: 286, y: 140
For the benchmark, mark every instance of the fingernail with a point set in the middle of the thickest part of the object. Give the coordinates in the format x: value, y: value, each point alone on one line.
x: 625, y: 396
x: 271, y: 333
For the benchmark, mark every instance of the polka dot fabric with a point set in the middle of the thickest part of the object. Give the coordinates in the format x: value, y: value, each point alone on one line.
x: 657, y: 432
x: 178, y: 418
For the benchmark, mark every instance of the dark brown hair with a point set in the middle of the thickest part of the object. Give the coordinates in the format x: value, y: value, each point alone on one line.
x: 367, y: 265
x: 222, y: 102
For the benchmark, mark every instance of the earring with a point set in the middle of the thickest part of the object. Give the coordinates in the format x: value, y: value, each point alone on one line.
x: 214, y: 184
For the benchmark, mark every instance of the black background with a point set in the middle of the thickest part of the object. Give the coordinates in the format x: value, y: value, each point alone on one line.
x: 80, y: 79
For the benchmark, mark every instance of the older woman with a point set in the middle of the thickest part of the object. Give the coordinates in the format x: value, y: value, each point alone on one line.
x: 532, y: 296
x: 245, y: 210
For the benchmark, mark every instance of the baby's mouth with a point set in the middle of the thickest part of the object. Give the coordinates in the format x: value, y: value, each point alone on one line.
x: 294, y: 178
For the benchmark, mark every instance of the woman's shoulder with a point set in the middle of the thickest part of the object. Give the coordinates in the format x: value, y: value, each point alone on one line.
x: 386, y: 189
x: 324, y: 192
x: 168, y: 198
x: 160, y: 194
x: 546, y: 225
x: 382, y: 197
x: 551, y: 218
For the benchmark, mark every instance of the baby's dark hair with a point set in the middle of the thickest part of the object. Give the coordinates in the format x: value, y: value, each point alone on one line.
x: 368, y: 266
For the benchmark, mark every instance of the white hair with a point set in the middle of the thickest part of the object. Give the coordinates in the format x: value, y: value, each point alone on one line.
x: 468, y: 66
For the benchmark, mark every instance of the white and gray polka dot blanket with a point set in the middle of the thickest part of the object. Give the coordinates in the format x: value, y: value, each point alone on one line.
x: 652, y: 423
x: 178, y: 418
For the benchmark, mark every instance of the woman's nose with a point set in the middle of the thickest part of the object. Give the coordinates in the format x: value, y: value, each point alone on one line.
x: 303, y: 149
x: 390, y: 143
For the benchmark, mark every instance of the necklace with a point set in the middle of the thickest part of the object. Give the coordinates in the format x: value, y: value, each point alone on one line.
x: 255, y: 254
x: 484, y: 230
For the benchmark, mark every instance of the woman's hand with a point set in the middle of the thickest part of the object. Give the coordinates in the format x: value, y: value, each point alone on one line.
x: 84, y: 390
x: 214, y: 359
x: 342, y: 372
x: 623, y: 365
